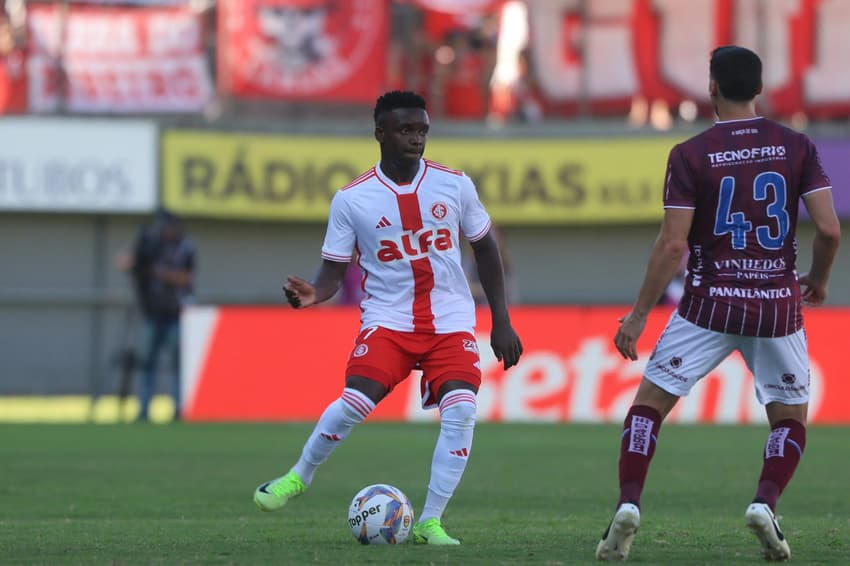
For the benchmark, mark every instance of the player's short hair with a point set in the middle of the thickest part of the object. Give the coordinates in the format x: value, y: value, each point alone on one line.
x: 397, y: 99
x: 737, y: 71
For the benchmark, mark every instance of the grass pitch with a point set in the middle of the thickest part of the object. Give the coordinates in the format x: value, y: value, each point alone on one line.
x: 532, y: 494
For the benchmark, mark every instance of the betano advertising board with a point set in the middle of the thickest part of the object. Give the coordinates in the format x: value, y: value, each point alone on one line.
x: 279, y: 364
x: 521, y: 181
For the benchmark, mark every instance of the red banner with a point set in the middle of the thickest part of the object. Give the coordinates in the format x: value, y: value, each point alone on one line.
x: 273, y: 364
x: 103, y: 59
x: 303, y: 49
x: 13, y: 83
x: 659, y: 49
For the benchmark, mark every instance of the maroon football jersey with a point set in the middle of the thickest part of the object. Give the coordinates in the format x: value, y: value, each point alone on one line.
x: 744, y: 179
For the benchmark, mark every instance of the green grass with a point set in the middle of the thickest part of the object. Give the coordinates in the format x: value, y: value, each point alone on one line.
x: 532, y: 494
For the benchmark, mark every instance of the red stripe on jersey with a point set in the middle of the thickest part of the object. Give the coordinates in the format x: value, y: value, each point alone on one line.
x: 423, y: 273
x: 367, y: 175
x: 336, y: 258
x: 442, y: 167
x: 481, y: 233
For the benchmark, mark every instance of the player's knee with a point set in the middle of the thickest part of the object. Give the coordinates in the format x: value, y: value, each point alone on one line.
x: 458, y: 412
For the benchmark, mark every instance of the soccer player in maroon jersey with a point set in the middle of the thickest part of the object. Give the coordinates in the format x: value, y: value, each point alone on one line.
x: 731, y: 198
x: 405, y: 217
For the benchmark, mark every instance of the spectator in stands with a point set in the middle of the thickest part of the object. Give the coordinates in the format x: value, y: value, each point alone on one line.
x: 463, y: 48
x: 162, y: 264
x: 13, y: 78
x: 406, y: 65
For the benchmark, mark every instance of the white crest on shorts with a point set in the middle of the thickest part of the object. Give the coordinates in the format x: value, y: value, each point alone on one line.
x: 360, y: 350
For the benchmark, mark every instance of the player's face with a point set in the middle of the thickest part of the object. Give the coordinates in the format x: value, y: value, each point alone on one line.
x: 402, y: 134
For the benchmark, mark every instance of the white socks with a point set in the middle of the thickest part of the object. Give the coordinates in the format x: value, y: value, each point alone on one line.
x: 457, y: 421
x: 333, y: 426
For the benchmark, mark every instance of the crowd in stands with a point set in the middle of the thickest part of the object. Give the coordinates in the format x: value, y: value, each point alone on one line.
x: 493, y: 60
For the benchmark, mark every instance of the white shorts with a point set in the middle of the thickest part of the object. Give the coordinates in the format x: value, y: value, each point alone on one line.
x: 685, y: 353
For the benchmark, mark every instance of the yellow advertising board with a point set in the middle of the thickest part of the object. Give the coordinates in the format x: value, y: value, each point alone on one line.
x: 521, y: 181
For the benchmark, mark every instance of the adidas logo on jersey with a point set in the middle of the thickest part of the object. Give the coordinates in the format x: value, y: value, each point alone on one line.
x: 463, y: 452
x: 383, y: 222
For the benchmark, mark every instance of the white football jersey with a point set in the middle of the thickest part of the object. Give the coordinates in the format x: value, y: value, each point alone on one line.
x: 408, y: 240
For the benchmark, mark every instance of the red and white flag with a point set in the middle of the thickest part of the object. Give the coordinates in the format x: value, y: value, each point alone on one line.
x: 303, y: 49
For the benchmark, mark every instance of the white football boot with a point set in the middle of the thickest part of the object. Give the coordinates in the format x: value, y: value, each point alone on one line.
x: 762, y: 522
x: 618, y: 537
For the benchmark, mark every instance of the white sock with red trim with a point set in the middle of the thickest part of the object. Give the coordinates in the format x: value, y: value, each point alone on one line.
x: 457, y: 422
x: 333, y: 426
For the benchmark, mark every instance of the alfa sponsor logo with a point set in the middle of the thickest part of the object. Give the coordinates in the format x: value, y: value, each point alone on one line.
x: 415, y: 244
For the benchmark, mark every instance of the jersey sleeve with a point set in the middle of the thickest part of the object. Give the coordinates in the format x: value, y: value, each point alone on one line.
x: 339, y: 236
x: 474, y: 220
x: 813, y: 177
x: 679, y: 188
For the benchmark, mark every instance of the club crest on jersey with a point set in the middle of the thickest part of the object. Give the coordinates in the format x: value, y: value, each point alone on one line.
x: 415, y: 244
x: 439, y: 210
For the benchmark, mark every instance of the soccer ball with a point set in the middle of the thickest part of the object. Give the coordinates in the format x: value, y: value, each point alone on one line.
x: 380, y: 514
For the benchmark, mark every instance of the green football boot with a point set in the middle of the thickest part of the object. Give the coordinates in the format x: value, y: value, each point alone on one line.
x: 432, y: 532
x: 274, y: 494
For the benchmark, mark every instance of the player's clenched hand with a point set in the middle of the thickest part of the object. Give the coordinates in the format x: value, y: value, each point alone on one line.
x: 631, y: 327
x: 814, y: 292
x: 299, y: 292
x: 506, y: 345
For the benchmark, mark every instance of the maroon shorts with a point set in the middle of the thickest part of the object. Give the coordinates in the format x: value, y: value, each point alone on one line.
x: 388, y: 357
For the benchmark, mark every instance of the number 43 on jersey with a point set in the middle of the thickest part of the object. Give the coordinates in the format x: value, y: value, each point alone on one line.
x: 767, y: 185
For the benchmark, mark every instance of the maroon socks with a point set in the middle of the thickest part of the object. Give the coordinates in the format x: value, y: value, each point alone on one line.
x: 782, y: 453
x: 640, y: 433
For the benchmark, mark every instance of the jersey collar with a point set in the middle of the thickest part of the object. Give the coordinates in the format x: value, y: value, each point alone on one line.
x: 740, y: 120
x: 401, y: 189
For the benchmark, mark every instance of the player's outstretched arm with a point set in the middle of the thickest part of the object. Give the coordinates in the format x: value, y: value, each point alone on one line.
x: 503, y: 339
x: 664, y: 260
x: 302, y: 293
x: 824, y: 247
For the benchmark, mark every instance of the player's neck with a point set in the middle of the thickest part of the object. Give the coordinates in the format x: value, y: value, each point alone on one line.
x: 398, y: 171
x: 728, y: 111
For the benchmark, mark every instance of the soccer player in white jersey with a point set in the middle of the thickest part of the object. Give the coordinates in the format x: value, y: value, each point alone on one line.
x: 404, y: 217
x: 731, y: 197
